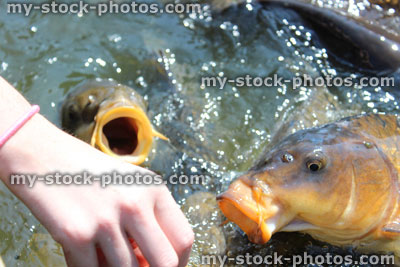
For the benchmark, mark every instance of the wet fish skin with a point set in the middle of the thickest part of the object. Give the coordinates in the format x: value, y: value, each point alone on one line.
x: 352, y: 198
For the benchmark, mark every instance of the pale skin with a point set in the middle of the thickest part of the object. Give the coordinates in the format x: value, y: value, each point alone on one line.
x: 82, y: 218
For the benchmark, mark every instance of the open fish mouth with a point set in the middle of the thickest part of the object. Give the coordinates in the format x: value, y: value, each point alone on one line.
x: 124, y: 132
x: 254, y: 212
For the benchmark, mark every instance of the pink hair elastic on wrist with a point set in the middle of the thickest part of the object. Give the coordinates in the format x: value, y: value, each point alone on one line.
x: 18, y: 125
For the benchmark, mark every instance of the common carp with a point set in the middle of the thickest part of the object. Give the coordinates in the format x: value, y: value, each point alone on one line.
x: 349, y: 40
x: 337, y: 182
x: 111, y: 117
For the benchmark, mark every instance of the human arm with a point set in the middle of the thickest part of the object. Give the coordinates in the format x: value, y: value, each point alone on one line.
x: 83, y: 217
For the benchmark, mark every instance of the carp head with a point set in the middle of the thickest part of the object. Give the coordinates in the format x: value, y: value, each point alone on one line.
x: 112, y: 118
x: 332, y: 182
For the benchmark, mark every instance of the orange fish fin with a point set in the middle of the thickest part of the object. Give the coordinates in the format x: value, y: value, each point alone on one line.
x: 391, y: 229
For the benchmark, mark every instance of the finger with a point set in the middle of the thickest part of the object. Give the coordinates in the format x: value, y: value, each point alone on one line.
x: 175, y: 226
x: 77, y: 256
x: 151, y: 240
x: 117, y: 249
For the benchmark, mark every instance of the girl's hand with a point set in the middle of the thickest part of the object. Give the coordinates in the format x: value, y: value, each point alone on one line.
x: 83, y: 218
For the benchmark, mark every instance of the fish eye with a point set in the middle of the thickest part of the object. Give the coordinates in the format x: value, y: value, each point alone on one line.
x: 73, y: 113
x: 314, y: 165
x: 316, y: 162
x: 287, y: 158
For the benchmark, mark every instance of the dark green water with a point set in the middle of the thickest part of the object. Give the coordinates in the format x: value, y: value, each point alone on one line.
x: 216, y: 132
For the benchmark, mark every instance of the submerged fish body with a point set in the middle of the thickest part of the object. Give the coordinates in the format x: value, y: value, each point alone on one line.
x: 111, y: 117
x: 353, y: 41
x: 350, y: 39
x: 338, y: 182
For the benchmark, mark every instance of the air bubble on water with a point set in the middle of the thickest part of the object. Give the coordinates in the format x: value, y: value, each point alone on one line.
x: 279, y: 33
x: 389, y: 96
x: 354, y: 9
x: 332, y: 72
x: 193, y: 169
x: 140, y: 80
x: 101, y: 62
x: 4, y: 66
x: 52, y: 60
x: 188, y: 23
x: 115, y: 38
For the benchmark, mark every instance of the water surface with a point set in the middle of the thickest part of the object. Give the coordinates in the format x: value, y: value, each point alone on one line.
x: 215, y: 132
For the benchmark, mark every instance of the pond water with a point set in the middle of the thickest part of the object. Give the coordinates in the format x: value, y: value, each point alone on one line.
x: 215, y: 132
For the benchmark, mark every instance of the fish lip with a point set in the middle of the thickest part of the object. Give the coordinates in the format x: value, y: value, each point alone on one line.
x: 297, y: 225
x: 143, y: 129
x: 239, y: 206
x: 256, y: 232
